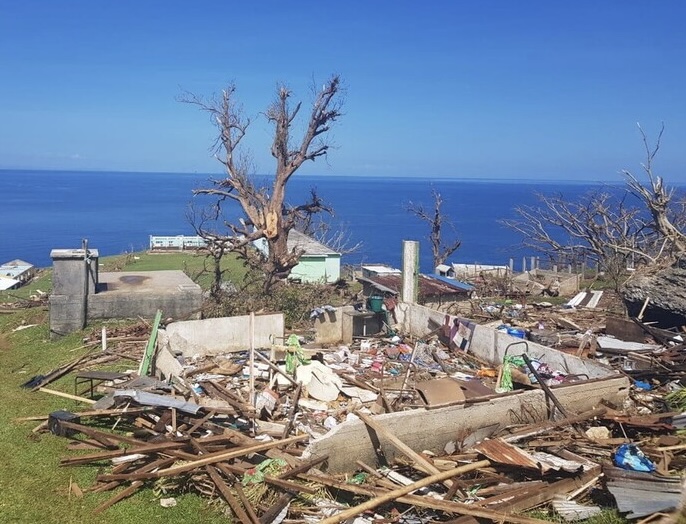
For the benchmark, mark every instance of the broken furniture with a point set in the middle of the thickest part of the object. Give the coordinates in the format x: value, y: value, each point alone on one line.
x: 94, y: 378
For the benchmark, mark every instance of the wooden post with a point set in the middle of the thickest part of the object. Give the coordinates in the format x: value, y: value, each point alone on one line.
x: 252, y: 366
x: 643, y: 309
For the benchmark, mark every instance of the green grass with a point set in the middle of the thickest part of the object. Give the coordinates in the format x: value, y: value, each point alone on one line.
x: 33, y: 487
x: 606, y: 516
x: 196, y: 266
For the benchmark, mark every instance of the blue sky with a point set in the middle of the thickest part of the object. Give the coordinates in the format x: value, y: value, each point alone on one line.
x: 480, y: 89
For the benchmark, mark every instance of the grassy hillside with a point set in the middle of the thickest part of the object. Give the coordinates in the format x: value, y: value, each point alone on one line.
x: 33, y: 487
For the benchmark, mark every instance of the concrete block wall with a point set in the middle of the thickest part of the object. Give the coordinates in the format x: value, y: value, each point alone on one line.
x: 67, y: 314
x: 486, y: 342
x: 490, y: 344
x: 74, y: 282
x: 221, y: 335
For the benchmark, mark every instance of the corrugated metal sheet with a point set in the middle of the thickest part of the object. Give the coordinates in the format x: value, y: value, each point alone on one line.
x: 7, y: 283
x: 310, y: 246
x: 458, y: 284
x: 150, y: 399
x: 587, y: 299
x: 642, y: 494
x: 503, y: 453
x: 572, y: 511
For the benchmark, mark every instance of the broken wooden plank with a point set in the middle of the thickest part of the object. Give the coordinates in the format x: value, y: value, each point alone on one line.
x: 211, y: 458
x: 392, y: 495
x: 223, y: 488
x: 425, y: 502
x: 67, y: 395
x: 107, y: 455
x: 130, y: 490
x: 420, y: 461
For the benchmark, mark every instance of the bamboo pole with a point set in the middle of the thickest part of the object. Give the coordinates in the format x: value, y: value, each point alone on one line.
x: 392, y: 495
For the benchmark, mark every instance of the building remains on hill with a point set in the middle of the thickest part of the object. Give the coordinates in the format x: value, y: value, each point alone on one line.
x: 434, y: 291
x: 318, y: 263
x: 176, y: 243
x: 15, y: 274
x: 494, y: 420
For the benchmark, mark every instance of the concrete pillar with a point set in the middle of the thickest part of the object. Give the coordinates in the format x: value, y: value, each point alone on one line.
x: 74, y: 278
x: 410, y: 271
x: 69, y: 274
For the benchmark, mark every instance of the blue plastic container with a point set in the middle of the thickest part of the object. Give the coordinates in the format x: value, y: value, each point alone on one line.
x: 516, y: 332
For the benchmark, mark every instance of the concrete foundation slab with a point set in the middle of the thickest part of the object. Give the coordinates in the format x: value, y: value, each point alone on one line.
x: 131, y: 294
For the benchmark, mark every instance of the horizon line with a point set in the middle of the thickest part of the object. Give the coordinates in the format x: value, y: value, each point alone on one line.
x: 490, y: 178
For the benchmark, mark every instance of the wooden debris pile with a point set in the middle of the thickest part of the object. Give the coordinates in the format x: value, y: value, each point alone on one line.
x: 233, y: 427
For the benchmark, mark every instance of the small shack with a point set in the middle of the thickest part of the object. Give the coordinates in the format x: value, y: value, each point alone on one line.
x: 435, y: 291
x: 15, y: 274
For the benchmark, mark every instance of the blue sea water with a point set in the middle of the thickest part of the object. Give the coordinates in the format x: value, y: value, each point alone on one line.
x: 117, y: 212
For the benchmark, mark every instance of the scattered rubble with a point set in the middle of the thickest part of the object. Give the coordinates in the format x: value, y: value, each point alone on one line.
x: 259, y: 427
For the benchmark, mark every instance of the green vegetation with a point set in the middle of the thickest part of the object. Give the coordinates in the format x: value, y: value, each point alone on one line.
x: 34, y: 487
x: 607, y: 516
x: 194, y: 265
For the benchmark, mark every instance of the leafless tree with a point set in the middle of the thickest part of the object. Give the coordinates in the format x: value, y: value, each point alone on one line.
x: 436, y: 220
x: 667, y: 215
x: 338, y: 238
x: 600, y: 227
x: 216, y: 246
x: 611, y: 228
x: 267, y: 216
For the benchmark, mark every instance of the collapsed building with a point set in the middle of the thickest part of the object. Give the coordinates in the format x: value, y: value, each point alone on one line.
x: 425, y: 389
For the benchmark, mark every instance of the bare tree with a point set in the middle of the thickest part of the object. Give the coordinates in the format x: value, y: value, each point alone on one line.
x: 338, y: 238
x: 659, y: 201
x: 605, y: 227
x: 600, y: 227
x: 216, y: 246
x: 267, y: 216
x: 436, y: 220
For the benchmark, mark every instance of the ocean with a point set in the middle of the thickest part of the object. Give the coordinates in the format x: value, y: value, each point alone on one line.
x: 117, y: 212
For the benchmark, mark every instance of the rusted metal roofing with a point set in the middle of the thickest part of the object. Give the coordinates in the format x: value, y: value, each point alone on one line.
x: 503, y: 453
x: 429, y: 285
